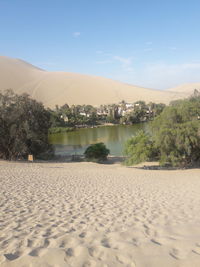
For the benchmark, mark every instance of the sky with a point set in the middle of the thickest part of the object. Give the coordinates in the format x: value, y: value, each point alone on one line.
x: 150, y: 43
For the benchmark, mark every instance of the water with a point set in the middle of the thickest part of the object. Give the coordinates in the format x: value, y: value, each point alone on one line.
x: 77, y: 141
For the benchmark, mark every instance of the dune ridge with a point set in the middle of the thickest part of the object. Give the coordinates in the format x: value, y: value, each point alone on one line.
x: 58, y: 88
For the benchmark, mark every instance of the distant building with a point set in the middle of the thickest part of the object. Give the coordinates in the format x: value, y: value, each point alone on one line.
x: 65, y: 118
x: 84, y: 114
x: 129, y: 105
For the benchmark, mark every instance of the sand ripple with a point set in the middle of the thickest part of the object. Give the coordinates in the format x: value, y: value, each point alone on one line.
x: 84, y: 214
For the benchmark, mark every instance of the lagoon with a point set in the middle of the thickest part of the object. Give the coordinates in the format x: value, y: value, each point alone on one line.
x: 76, y: 142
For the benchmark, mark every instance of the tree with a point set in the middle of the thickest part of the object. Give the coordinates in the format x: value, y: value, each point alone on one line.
x: 177, y: 133
x: 179, y: 145
x: 137, y: 115
x: 24, y: 125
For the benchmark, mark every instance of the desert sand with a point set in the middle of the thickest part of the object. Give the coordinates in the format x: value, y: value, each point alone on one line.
x: 58, y: 88
x: 87, y: 214
x: 187, y: 88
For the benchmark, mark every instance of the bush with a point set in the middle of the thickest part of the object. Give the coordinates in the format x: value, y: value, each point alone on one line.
x: 97, y: 152
x: 139, y: 148
x: 24, y: 125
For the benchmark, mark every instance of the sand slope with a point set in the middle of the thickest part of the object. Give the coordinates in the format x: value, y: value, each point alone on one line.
x: 187, y: 89
x: 53, y: 88
x: 84, y: 214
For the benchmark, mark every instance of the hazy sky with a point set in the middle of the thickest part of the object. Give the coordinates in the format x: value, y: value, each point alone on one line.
x: 152, y: 43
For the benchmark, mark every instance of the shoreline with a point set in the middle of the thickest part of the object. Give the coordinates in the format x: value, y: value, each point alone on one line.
x: 77, y: 127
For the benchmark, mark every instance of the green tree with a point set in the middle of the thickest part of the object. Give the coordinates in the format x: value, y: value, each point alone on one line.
x: 179, y: 145
x: 24, y: 125
x: 177, y: 133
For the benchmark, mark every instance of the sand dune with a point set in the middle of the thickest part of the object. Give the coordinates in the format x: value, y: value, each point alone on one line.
x: 187, y: 89
x: 53, y: 88
x: 85, y: 214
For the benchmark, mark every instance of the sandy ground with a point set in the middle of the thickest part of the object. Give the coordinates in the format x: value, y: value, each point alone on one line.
x: 85, y: 214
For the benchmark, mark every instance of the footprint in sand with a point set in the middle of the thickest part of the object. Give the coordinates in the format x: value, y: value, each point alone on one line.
x: 197, y: 249
x: 157, y: 242
x: 38, y: 252
x: 82, y: 235
x: 70, y: 252
x: 178, y: 254
x: 30, y: 243
x: 63, y: 244
x: 75, y: 251
x: 12, y: 256
x: 97, y: 252
x: 105, y: 243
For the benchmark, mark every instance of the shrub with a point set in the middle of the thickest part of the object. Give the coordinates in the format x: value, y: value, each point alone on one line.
x: 96, y: 152
x: 139, y: 148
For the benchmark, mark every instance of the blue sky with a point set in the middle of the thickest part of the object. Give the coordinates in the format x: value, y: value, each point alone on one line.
x: 151, y: 43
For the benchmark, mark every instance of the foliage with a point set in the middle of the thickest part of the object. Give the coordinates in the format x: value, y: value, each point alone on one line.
x: 56, y: 119
x: 139, y: 148
x: 175, y: 136
x: 137, y: 116
x: 87, y: 115
x: 177, y: 133
x: 66, y: 116
x: 180, y: 145
x: 24, y: 125
x: 96, y: 152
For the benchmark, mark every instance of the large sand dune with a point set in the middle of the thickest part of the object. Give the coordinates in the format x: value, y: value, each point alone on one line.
x: 53, y: 88
x: 85, y: 214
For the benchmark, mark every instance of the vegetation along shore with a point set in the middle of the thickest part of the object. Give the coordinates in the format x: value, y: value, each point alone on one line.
x: 173, y: 139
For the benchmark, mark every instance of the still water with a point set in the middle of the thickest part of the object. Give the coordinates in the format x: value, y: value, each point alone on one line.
x: 77, y: 141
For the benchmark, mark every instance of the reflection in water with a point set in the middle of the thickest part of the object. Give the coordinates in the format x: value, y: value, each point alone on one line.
x: 76, y: 142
